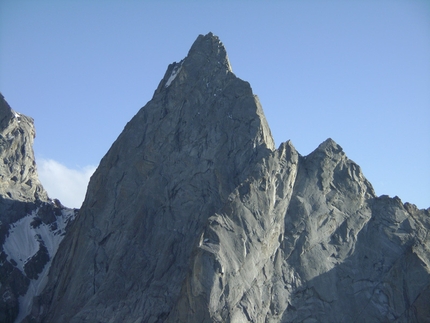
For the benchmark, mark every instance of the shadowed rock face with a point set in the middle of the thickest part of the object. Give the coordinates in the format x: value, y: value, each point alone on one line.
x: 194, y: 216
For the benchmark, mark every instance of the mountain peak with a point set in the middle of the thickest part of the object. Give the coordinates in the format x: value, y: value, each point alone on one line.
x: 210, y: 48
x: 206, y: 60
x: 329, y: 145
x: 193, y: 216
x: 176, y: 163
x: 202, y: 89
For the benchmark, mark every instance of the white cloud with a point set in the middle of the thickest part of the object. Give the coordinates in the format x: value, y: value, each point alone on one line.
x: 65, y: 184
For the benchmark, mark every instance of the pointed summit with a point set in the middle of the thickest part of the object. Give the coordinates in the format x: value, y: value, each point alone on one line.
x: 204, y: 81
x: 206, y: 60
x: 174, y: 165
x: 209, y: 49
x: 330, y: 147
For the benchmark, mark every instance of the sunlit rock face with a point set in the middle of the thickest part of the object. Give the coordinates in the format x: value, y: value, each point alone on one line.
x: 193, y: 215
x: 19, y: 181
x: 31, y: 225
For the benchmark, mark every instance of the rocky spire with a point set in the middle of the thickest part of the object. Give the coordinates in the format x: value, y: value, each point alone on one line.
x: 193, y: 216
x: 206, y: 61
x: 175, y: 164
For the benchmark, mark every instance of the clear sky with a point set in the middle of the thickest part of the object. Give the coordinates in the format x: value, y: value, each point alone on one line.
x: 355, y: 71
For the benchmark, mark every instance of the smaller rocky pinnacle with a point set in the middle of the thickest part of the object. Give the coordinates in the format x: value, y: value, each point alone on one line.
x: 329, y: 146
x: 18, y: 174
x: 31, y: 225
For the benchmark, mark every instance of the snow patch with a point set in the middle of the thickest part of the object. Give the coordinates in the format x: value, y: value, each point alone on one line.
x: 175, y: 73
x: 22, y: 243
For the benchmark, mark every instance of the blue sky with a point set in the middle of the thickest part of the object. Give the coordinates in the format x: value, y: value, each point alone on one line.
x: 355, y: 71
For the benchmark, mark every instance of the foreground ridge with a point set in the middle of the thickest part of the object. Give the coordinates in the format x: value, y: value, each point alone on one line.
x: 193, y: 215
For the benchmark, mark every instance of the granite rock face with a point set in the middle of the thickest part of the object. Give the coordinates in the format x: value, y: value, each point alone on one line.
x: 193, y: 215
x: 31, y: 224
x: 19, y: 181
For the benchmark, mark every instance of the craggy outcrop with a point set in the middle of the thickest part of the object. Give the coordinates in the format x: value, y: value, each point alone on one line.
x: 31, y: 224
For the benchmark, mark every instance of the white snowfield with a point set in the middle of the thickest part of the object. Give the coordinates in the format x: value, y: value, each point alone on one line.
x: 22, y: 243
